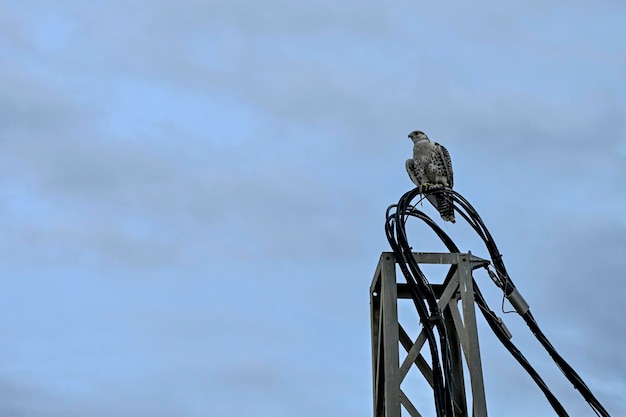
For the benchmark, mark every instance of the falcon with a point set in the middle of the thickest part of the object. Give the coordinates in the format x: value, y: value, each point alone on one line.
x: 431, y: 168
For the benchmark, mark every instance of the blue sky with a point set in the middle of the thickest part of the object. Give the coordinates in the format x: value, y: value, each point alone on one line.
x: 193, y: 195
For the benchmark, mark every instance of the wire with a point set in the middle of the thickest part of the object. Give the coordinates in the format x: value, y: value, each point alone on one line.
x: 491, y: 319
x: 420, y: 290
x: 530, y: 321
x: 432, y: 319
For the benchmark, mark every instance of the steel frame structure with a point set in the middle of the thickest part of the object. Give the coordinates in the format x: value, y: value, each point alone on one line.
x: 388, y: 334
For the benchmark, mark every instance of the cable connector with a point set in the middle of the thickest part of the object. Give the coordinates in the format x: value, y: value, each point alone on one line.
x: 518, y: 302
x: 495, y: 278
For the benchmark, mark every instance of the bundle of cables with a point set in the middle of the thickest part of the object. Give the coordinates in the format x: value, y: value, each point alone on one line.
x: 432, y: 319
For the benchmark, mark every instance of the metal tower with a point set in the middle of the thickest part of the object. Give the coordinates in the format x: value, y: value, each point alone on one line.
x: 388, y: 334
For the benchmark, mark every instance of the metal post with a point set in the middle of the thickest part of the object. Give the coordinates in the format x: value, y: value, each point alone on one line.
x: 387, y: 334
x: 385, y: 350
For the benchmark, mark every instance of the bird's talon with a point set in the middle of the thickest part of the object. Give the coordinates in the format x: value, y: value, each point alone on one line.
x: 425, y: 186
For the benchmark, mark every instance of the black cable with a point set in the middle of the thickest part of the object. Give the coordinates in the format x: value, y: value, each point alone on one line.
x: 530, y: 321
x: 442, y: 395
x: 565, y: 367
x: 431, y: 318
x: 491, y: 318
x: 420, y: 291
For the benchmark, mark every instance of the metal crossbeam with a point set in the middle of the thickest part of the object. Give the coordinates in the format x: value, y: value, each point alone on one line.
x: 388, y: 334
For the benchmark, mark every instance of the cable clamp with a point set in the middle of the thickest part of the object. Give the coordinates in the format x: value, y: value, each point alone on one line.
x: 503, y: 327
x: 435, y: 318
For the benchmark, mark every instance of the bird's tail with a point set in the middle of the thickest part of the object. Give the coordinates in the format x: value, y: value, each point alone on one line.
x: 443, y: 204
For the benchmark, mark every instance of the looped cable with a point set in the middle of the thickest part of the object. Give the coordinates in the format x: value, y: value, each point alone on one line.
x: 426, y: 303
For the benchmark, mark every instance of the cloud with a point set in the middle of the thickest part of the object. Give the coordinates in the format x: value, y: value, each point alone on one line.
x: 212, y: 174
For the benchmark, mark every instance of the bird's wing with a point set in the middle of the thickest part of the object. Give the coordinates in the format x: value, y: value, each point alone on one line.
x: 446, y: 163
x: 414, y: 172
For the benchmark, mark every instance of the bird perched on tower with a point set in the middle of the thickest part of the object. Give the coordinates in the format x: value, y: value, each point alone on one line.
x: 431, y: 168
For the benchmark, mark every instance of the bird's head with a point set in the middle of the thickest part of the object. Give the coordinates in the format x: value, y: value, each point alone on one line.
x: 417, y: 135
